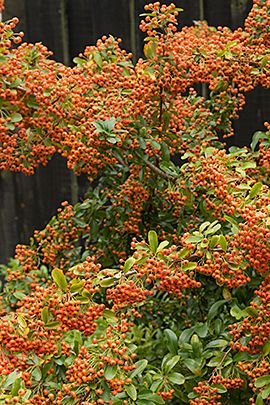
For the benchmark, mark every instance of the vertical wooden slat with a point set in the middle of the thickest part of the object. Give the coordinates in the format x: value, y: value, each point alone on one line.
x: 8, y: 220
x: 90, y: 20
x: 239, y: 11
x: 132, y: 19
x: 218, y: 12
x: 44, y: 24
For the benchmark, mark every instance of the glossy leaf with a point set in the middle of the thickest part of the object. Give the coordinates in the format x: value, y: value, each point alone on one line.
x: 140, y: 366
x: 131, y: 391
x: 255, y: 189
x: 153, y: 241
x: 176, y: 378
x: 110, y: 372
x: 59, y: 279
x: 129, y: 264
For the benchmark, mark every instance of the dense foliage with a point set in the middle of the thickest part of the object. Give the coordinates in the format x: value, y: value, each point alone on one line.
x: 155, y: 289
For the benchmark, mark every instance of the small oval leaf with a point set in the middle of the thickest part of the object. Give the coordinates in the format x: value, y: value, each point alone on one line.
x: 59, y: 279
x: 153, y: 241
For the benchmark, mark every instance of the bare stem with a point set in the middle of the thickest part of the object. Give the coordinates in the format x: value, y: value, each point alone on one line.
x: 220, y: 363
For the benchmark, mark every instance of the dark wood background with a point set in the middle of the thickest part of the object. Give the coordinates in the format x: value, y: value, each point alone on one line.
x: 66, y: 27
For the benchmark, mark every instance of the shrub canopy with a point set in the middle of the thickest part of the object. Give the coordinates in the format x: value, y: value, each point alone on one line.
x: 155, y: 288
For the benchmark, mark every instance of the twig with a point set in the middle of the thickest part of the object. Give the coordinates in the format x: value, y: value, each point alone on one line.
x: 159, y: 172
x: 220, y: 363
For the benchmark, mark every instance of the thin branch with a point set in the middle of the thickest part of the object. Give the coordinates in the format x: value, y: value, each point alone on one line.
x: 220, y: 363
x: 159, y: 172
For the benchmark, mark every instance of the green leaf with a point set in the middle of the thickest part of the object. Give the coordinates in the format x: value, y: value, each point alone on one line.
x: 259, y: 400
x: 77, y: 285
x: 21, y: 321
x: 11, y: 378
x: 10, y: 125
x: 264, y: 61
x: 172, y: 341
x: 223, y: 243
x: 153, y: 241
x: 201, y: 329
x: 83, y: 299
x: 107, y: 282
x: 183, y: 253
x: 79, y: 61
x: 98, y: 59
x: 47, y: 92
x: 131, y: 391
x: 110, y: 372
x: 149, y: 396
x: 203, y: 226
x: 46, y: 368
x: 164, y: 147
x: 189, y: 266
x: 213, y: 311
x: 16, y: 386
x: 256, y: 137
x: 45, y: 314
x: 255, y: 189
x: 150, y: 49
x: 170, y: 364
x: 217, y: 343
x: 16, y: 117
x: 113, y: 139
x: 156, y: 384
x: 154, y: 144
x: 221, y: 388
x: 140, y: 366
x: 196, y: 346
x: 169, y: 168
x: 212, y: 229
x: 266, y: 347
x: 193, y: 239
x: 214, y: 241
x: 110, y: 316
x: 162, y: 245
x: 59, y: 279
x: 216, y: 360
x: 231, y: 220
x: 209, y: 151
x: 176, y: 378
x: 36, y: 374
x: 172, y: 10
x: 262, y: 381
x: 266, y: 392
x: 19, y: 295
x: 129, y: 264
x: 237, y: 313
x: 226, y: 294
x: 31, y: 102
x: 185, y: 336
x: 251, y: 311
x: 52, y: 325
x: 193, y: 366
x: 78, y: 222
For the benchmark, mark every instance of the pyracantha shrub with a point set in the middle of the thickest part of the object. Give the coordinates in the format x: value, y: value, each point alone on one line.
x: 155, y: 288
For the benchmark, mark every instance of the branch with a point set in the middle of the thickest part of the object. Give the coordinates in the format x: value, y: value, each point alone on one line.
x: 154, y: 168
x: 159, y: 172
x: 220, y: 364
